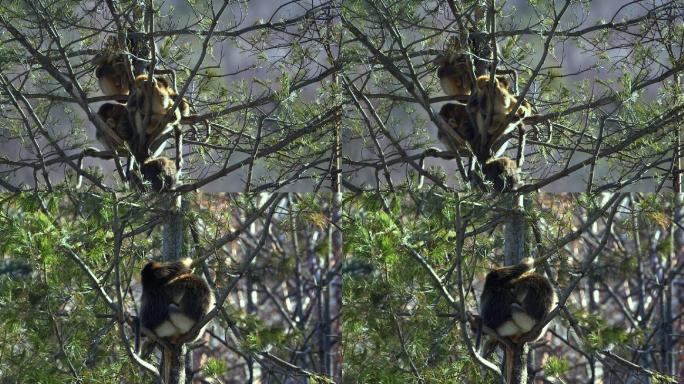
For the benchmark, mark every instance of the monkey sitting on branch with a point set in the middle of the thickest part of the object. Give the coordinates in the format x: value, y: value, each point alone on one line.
x: 150, y: 105
x: 173, y: 300
x: 515, y: 299
x: 513, y: 302
x: 490, y: 110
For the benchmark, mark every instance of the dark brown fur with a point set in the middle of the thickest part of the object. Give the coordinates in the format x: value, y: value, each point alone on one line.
x: 510, y: 293
x: 502, y: 173
x: 172, y: 297
x: 172, y: 283
x: 116, y: 117
x: 498, y: 296
x: 456, y: 116
x: 160, y: 172
x: 535, y: 296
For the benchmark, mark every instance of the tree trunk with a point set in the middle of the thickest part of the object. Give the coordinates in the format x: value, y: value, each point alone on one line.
x: 514, y: 252
x: 335, y: 291
x: 678, y: 251
x: 172, y: 242
x: 335, y: 284
x: 173, y: 362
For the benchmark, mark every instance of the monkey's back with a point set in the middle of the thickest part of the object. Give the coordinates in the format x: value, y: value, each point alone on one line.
x: 497, y: 296
x: 495, y: 307
x: 160, y: 172
x: 502, y: 172
x: 156, y: 297
x: 153, y: 308
x: 196, y: 299
x: 540, y: 295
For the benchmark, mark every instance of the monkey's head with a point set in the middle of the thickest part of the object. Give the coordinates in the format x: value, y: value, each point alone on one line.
x: 113, y: 111
x: 103, y: 61
x: 163, y: 83
x: 482, y: 83
x: 451, y: 111
x: 158, y: 81
x: 529, y: 262
x: 452, y: 72
x: 116, y: 117
x: 157, y: 274
x: 141, y: 81
x: 441, y: 60
x: 108, y: 64
x: 107, y: 111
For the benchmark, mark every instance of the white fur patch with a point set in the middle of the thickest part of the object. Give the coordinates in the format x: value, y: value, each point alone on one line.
x: 166, y: 329
x: 181, y: 322
x: 524, y: 322
x: 508, y: 328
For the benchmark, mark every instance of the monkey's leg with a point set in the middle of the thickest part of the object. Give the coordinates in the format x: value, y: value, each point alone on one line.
x: 509, y: 328
x: 522, y: 319
x: 166, y: 329
x: 180, y: 320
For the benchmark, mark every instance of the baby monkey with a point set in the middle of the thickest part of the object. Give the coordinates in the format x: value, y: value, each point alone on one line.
x: 173, y: 299
x: 456, y: 116
x: 115, y: 115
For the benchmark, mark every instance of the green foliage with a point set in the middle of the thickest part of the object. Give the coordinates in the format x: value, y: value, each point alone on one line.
x: 46, y: 319
x: 657, y: 378
x: 556, y: 367
x: 215, y: 367
x: 606, y: 337
x: 394, y: 317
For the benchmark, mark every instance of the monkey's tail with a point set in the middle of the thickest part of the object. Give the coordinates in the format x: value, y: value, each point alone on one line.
x: 508, y: 364
x: 136, y: 330
x: 478, y: 334
x: 166, y: 356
